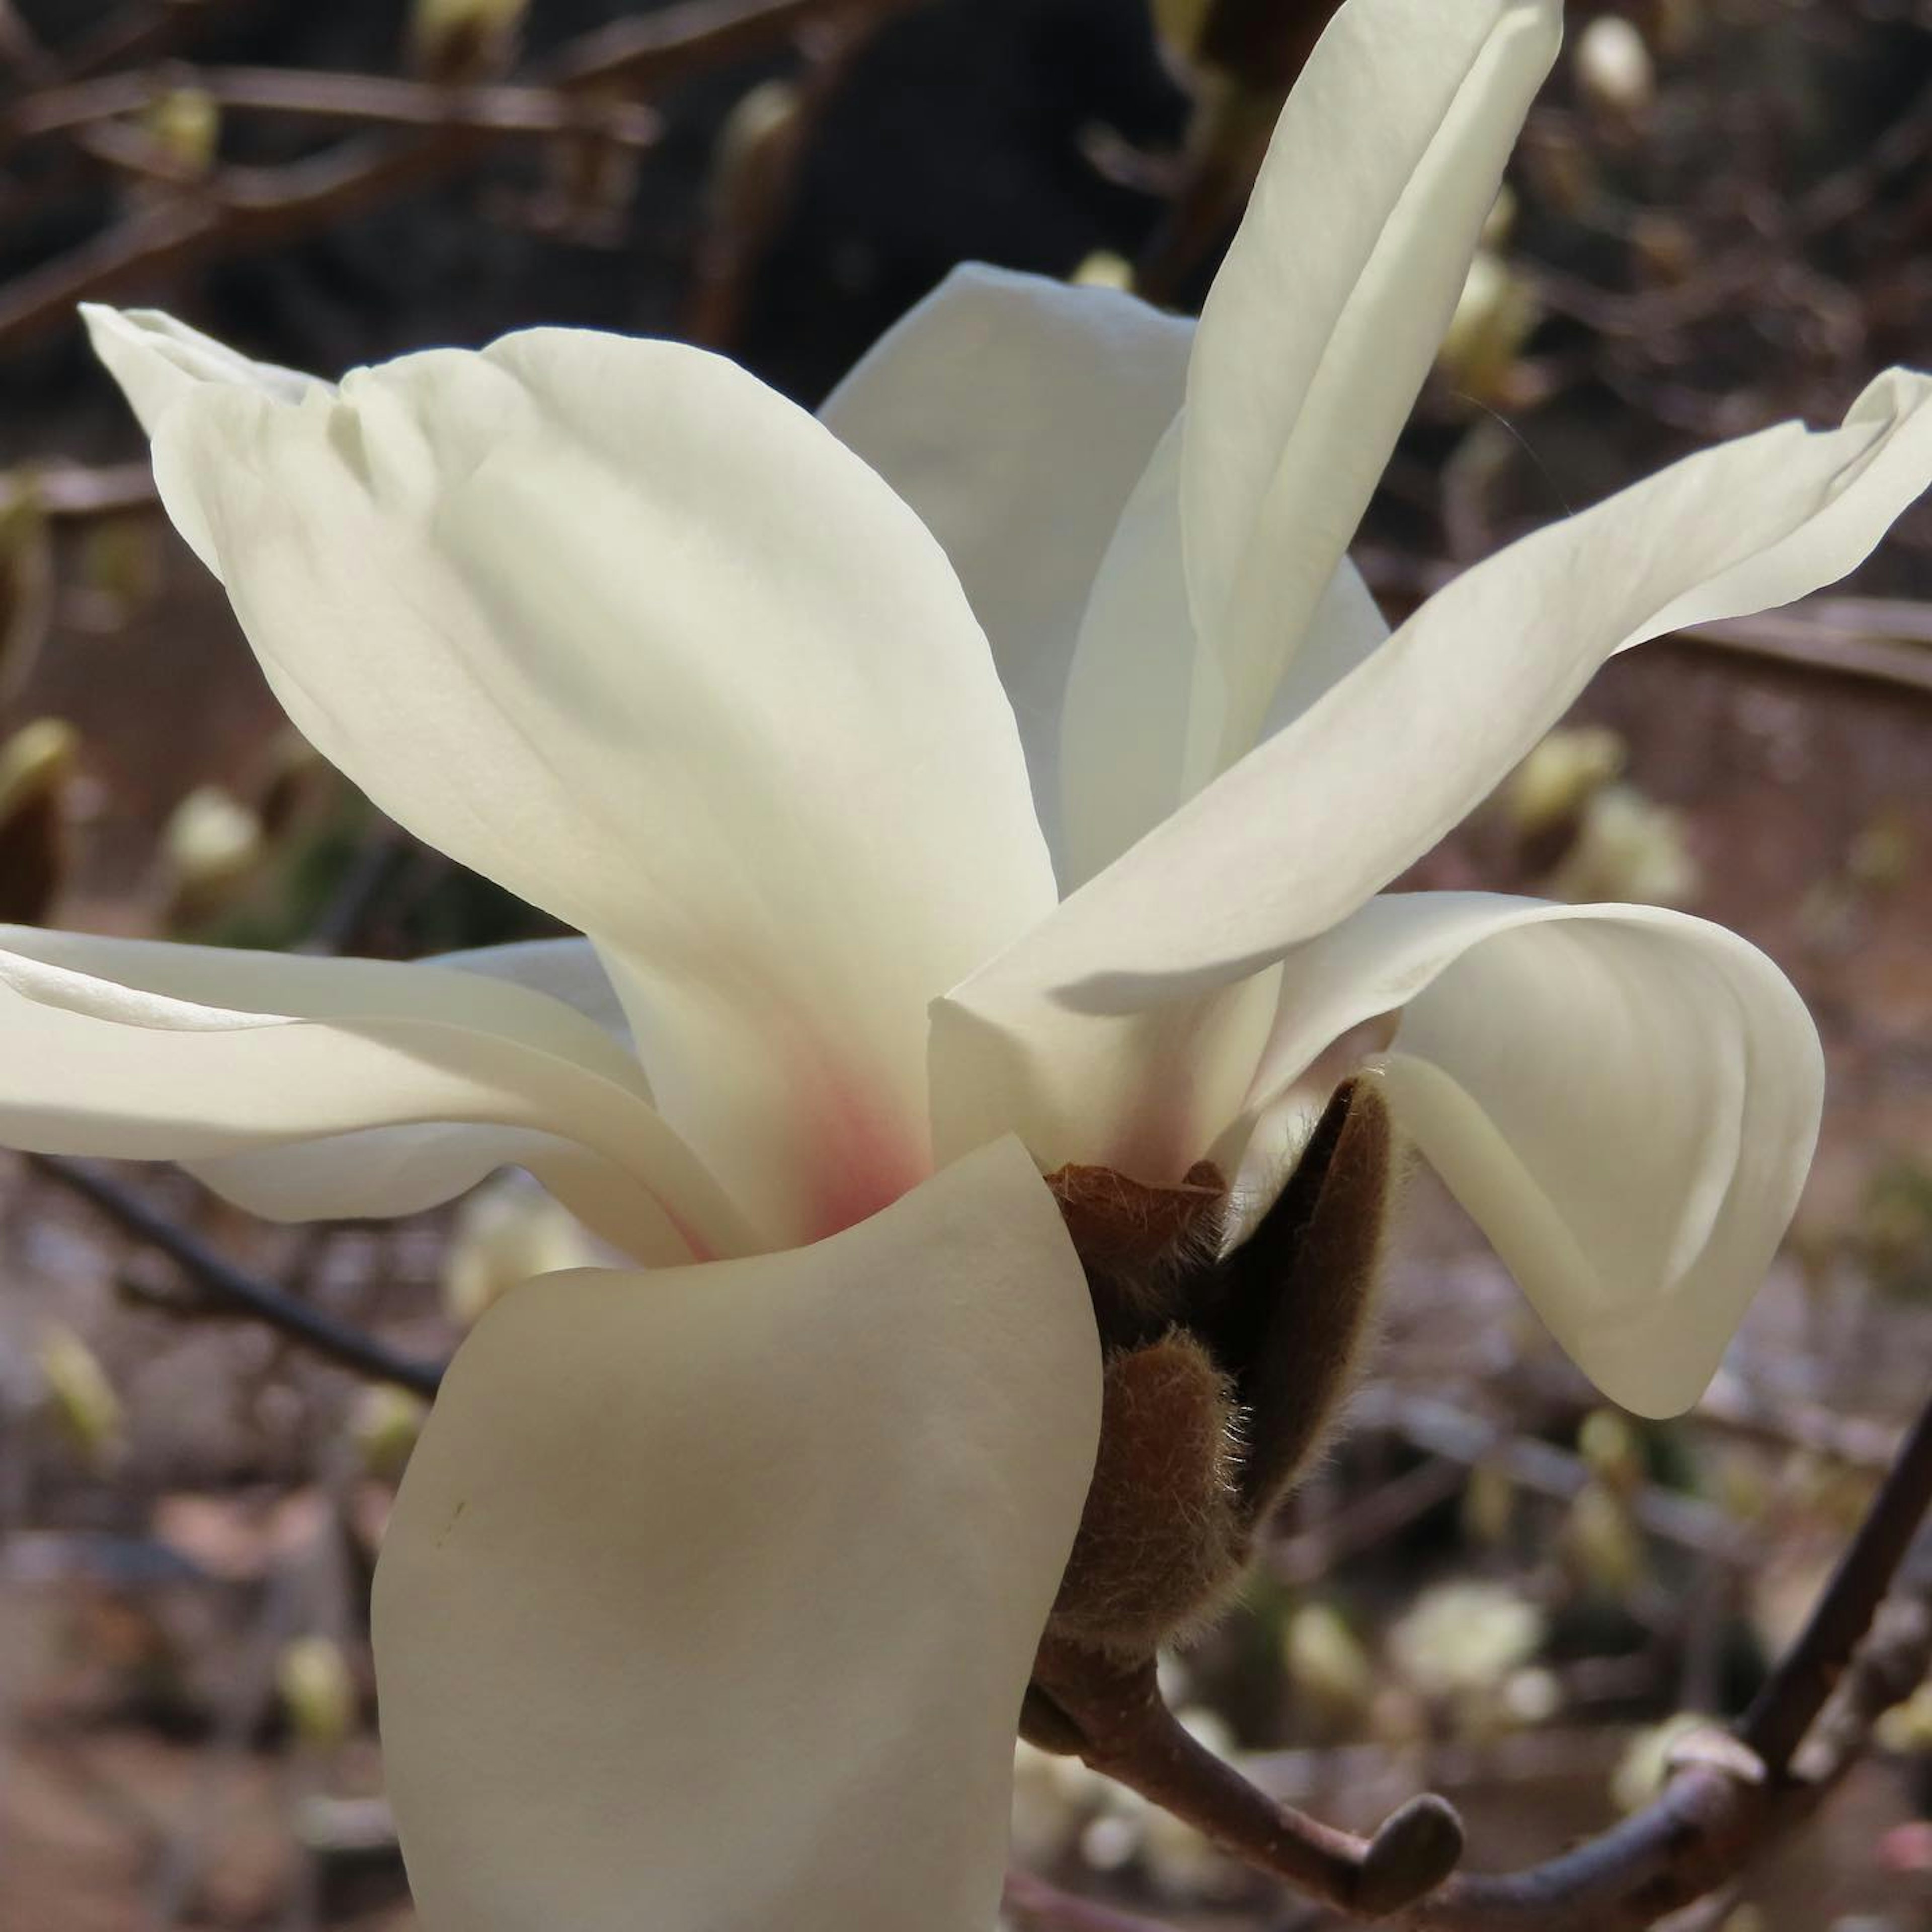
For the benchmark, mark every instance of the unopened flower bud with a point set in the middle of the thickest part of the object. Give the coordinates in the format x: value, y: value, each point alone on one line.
x: 1493, y: 318
x: 1907, y: 1728
x: 1604, y: 1542
x: 185, y: 124
x: 385, y: 1424
x: 1628, y: 848
x: 1609, y: 1443
x: 507, y: 1232
x: 1179, y: 22
x: 1464, y: 1639
x: 317, y: 1690
x: 37, y: 771
x: 26, y: 580
x: 212, y: 843
x: 1327, y: 1664
x: 1489, y: 1504
x: 80, y: 1395
x: 455, y: 41
x: 1614, y: 69
x: 1568, y: 768
x: 1104, y: 269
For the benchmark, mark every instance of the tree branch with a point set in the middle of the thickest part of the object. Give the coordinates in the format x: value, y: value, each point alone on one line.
x: 243, y: 1293
x: 1730, y: 1796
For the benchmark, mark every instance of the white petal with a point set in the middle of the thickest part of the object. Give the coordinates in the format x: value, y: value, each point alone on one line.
x: 1014, y: 414
x: 383, y: 1172
x: 610, y: 622
x: 568, y: 969
x: 710, y: 1596
x: 143, y: 1051
x: 157, y: 360
x: 1625, y: 1098
x: 1327, y: 312
x: 1145, y: 702
x: 1390, y: 757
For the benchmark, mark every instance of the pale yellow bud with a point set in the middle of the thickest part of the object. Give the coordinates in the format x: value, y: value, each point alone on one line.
x: 1603, y: 1542
x: 1607, y: 1441
x: 1104, y: 269
x: 185, y: 124
x: 1628, y: 847
x: 751, y: 144
x: 34, y: 760
x: 505, y: 1232
x: 211, y: 842
x: 317, y: 1690
x: 1493, y: 318
x: 385, y: 1426
x: 1489, y: 1504
x: 1464, y: 1639
x: 1531, y: 1696
x: 26, y: 579
x: 1615, y: 72
x: 1326, y: 1663
x: 464, y: 39
x: 80, y: 1397
x: 1181, y: 22
x: 1907, y: 1728
x: 1560, y: 776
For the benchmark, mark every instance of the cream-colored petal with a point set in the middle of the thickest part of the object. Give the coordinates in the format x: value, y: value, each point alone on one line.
x: 1625, y: 1098
x: 144, y: 1052
x: 1326, y: 315
x: 1390, y: 757
x: 383, y: 1171
x: 1140, y: 679
x: 710, y: 1596
x: 612, y: 623
x: 1014, y: 414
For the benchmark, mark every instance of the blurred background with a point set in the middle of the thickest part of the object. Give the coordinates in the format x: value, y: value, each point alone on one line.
x: 1721, y: 215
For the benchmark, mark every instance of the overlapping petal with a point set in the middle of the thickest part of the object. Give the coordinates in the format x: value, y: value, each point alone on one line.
x: 709, y: 1597
x: 1389, y: 758
x: 1327, y: 314
x: 381, y: 1172
x: 611, y: 623
x: 1015, y: 414
x: 141, y: 1051
x: 1625, y: 1098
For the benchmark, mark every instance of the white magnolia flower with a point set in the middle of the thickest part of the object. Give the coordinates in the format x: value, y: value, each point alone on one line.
x: 710, y: 1596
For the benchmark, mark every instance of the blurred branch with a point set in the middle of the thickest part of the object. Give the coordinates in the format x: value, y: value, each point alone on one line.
x: 1730, y: 1794
x: 73, y: 490
x: 377, y: 99
x: 237, y: 209
x: 1441, y: 1429
x: 244, y: 1294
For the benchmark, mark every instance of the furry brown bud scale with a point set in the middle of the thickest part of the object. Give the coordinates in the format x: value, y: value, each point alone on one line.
x: 1224, y: 1370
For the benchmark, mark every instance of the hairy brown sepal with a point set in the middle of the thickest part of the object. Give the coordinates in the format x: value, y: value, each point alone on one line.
x: 1163, y: 1539
x: 1297, y: 1297
x: 1139, y: 1242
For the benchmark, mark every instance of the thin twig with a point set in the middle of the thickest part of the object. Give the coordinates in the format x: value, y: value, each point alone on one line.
x: 1786, y: 1708
x: 239, y: 209
x: 226, y: 1283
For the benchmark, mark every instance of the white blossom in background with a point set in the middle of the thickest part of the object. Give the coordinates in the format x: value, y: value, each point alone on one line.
x: 1003, y: 770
